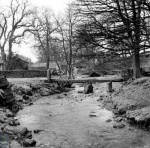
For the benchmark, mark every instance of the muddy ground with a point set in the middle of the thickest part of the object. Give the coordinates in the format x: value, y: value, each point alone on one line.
x: 75, y: 120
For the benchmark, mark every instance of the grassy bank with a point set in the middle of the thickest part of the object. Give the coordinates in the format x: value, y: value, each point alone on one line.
x: 132, y: 101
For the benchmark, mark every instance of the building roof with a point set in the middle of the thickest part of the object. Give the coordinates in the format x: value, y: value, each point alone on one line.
x: 28, y: 60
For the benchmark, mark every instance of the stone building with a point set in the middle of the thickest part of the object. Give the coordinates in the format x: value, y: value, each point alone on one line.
x: 19, y: 62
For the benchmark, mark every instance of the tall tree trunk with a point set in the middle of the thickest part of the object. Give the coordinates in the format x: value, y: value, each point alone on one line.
x: 136, y: 64
x: 3, y: 58
x: 8, y: 66
x: 137, y: 29
x: 136, y: 54
x: 47, y: 62
x: 48, y: 49
x: 70, y: 59
x: 69, y: 71
x: 4, y: 61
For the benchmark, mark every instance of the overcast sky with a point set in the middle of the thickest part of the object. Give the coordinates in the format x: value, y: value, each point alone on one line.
x: 58, y: 6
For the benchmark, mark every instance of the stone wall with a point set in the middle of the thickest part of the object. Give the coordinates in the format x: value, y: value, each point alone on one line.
x: 23, y: 73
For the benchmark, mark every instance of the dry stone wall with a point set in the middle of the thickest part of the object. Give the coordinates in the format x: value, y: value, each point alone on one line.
x: 23, y: 73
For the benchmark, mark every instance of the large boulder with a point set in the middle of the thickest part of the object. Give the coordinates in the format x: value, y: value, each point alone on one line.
x: 8, y: 94
x: 22, y: 89
x: 11, y: 130
x: 95, y: 74
x: 23, y: 132
x: 88, y: 88
x: 3, y: 83
x: 19, y: 98
x: 29, y: 142
x: 35, y: 87
x: 68, y: 84
x: 44, y: 92
x: 25, y: 97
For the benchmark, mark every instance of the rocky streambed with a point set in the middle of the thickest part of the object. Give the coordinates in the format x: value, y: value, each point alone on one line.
x: 75, y: 120
x: 14, y: 96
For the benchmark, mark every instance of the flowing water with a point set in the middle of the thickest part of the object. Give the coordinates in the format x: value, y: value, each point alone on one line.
x: 66, y: 123
x: 4, y: 141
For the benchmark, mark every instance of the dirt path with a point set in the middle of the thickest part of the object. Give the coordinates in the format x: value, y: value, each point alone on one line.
x: 66, y: 123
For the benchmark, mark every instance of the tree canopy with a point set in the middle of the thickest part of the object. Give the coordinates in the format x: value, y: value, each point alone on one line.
x: 119, y: 26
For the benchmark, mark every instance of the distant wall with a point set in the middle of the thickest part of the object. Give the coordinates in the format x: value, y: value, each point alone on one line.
x: 37, y: 68
x: 23, y: 73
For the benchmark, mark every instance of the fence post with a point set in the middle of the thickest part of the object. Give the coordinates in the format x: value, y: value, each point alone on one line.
x: 110, y: 87
x: 49, y: 75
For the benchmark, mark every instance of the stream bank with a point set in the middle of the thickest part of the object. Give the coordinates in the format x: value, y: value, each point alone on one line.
x: 78, y: 120
x: 132, y: 101
x: 15, y: 96
x: 74, y: 120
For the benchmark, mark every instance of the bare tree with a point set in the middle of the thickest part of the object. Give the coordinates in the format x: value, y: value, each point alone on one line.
x: 15, y: 23
x: 57, y: 53
x: 67, y: 31
x: 43, y: 28
x: 3, y: 36
x: 117, y: 23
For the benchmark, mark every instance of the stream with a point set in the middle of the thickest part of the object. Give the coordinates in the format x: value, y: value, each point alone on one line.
x: 65, y: 121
